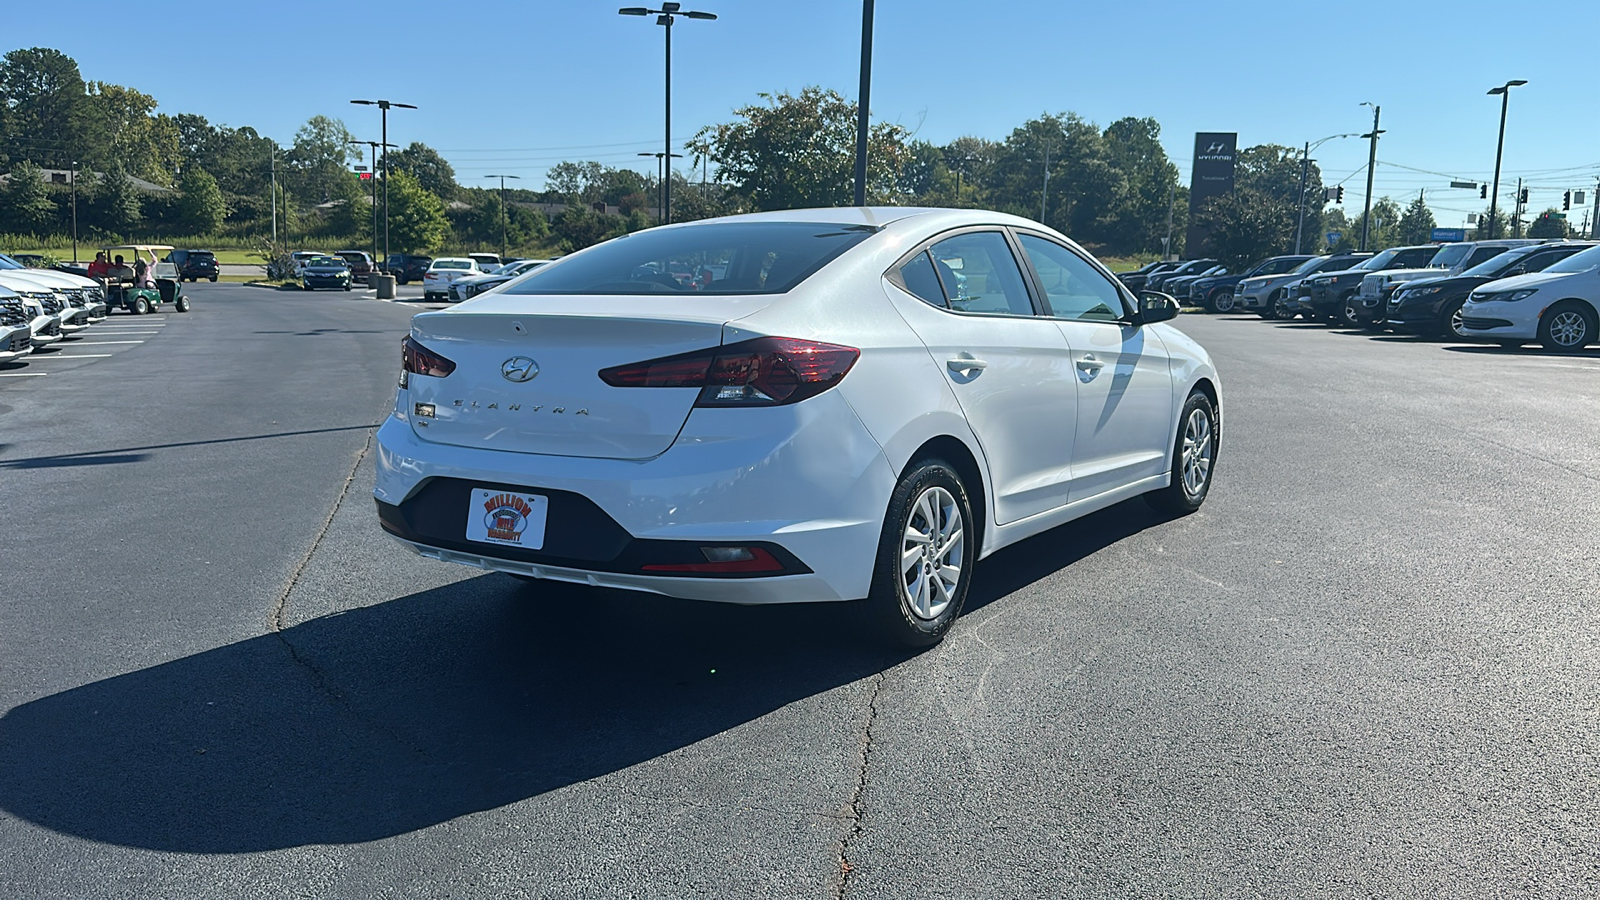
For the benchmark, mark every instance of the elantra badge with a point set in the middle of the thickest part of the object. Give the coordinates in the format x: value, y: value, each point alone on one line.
x: 519, y: 369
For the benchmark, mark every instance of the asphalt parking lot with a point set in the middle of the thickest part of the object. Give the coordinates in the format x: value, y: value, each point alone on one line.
x: 1366, y: 668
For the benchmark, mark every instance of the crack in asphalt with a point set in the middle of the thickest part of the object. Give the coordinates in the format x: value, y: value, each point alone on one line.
x: 275, y: 621
x: 853, y: 809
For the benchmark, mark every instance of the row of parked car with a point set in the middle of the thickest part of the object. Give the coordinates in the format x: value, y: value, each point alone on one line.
x: 39, y: 306
x: 1510, y: 292
x: 448, y: 277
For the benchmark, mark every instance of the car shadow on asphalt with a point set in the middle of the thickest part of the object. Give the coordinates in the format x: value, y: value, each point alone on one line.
x: 385, y: 719
x: 394, y: 717
x: 1494, y: 350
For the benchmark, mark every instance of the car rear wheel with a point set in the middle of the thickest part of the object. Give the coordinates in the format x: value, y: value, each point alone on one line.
x: 925, y: 556
x: 213, y: 279
x: 1568, y: 325
x: 1281, y: 309
x: 1223, y: 302
x: 1194, y: 455
x: 140, y: 306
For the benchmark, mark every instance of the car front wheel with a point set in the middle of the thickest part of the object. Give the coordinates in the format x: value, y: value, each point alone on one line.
x: 925, y: 556
x: 1194, y: 455
x: 1450, y: 324
x: 1567, y: 326
x: 1223, y: 301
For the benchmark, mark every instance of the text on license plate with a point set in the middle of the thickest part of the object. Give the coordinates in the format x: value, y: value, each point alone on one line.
x: 507, y: 518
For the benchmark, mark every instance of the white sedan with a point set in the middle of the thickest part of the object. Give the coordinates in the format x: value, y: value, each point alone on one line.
x: 862, y: 404
x: 1559, y: 307
x: 444, y: 271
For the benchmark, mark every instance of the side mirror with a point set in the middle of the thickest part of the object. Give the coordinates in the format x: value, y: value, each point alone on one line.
x: 1155, y: 306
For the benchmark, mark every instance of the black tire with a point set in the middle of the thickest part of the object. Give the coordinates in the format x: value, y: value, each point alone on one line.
x: 182, y: 303
x: 1345, y: 312
x: 911, y: 616
x: 1178, y: 498
x: 1280, y: 308
x: 1450, y: 321
x: 347, y: 287
x: 1223, y: 302
x: 213, y: 279
x: 399, y: 281
x: 141, y: 306
x: 1568, y: 325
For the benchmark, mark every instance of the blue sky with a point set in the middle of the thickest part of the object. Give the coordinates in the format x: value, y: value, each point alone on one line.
x: 516, y: 86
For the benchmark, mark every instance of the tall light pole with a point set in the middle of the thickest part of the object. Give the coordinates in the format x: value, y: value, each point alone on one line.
x: 665, y: 17
x: 272, y: 152
x: 372, y: 181
x: 661, y: 159
x: 385, y: 105
x: 1372, y: 163
x: 74, y: 212
x: 1305, y: 172
x: 864, y: 103
x: 504, y: 216
x: 1504, y: 91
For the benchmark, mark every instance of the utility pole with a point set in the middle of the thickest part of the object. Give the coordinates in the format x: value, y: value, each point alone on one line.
x: 1044, y: 195
x: 74, y: 212
x: 1172, y: 197
x: 1300, y: 220
x: 1594, y: 221
x: 1372, y: 163
x: 1500, y: 145
x: 274, y: 154
x: 1516, y: 220
x: 864, y: 102
x: 505, y: 216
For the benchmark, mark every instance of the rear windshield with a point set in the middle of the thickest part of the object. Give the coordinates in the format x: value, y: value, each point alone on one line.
x: 452, y: 264
x: 200, y: 254
x: 714, y: 258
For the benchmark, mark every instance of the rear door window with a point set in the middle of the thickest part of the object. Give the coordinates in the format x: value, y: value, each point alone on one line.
x: 922, y: 281
x: 1483, y: 254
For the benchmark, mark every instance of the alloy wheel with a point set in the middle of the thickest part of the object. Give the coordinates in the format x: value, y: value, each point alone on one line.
x: 1569, y: 329
x: 1223, y: 303
x: 1197, y: 452
x: 931, y: 553
x: 1457, y: 326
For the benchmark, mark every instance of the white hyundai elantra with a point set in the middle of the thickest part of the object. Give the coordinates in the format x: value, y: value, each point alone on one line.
x: 827, y: 404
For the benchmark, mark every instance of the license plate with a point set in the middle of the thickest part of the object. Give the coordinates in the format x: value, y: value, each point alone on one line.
x: 507, y: 518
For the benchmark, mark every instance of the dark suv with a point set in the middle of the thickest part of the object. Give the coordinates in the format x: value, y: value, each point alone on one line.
x: 1331, y: 293
x: 1158, y: 281
x: 194, y: 265
x: 1433, y: 306
x: 406, y: 266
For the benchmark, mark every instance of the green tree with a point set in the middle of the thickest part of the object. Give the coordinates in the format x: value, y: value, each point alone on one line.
x: 417, y: 222
x: 431, y: 170
x: 200, y: 204
x: 25, y: 204
x: 1549, y: 224
x: 799, y: 151
x: 320, y: 159
x: 578, y: 227
x: 1136, y: 219
x: 1385, y: 231
x: 42, y: 97
x: 123, y: 132
x: 1416, y: 223
x: 116, y: 204
x: 1246, y: 226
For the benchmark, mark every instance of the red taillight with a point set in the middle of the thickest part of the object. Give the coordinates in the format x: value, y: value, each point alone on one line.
x: 419, y: 360
x: 729, y: 560
x: 768, y: 371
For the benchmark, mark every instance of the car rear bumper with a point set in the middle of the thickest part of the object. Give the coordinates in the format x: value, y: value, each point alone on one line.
x: 806, y: 479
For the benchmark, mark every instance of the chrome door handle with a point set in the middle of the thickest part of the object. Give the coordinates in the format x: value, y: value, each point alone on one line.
x: 964, y: 363
x: 1090, y: 364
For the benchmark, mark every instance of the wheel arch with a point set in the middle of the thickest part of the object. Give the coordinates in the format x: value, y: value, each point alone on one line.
x: 955, y: 451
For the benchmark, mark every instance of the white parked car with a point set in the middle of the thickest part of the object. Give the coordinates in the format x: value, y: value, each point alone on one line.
x: 298, y: 260
x: 836, y: 417
x: 48, y: 309
x: 445, y: 270
x: 1558, y: 307
x: 82, y: 293
x: 16, y: 337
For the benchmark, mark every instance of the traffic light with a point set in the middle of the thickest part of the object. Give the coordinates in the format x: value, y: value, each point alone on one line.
x: 1566, y: 200
x: 1483, y: 192
x: 1523, y: 197
x: 1338, y: 194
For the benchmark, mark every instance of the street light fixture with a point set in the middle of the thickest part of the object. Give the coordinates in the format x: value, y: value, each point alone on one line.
x: 1372, y: 163
x: 374, y: 191
x: 1305, y: 171
x: 660, y: 178
x: 385, y: 105
x: 665, y: 16
x: 1499, y: 148
x: 504, y: 216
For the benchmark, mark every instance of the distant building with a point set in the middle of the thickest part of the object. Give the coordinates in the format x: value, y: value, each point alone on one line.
x: 64, y: 177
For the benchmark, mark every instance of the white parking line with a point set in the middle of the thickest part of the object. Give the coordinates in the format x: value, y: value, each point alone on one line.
x: 125, y: 331
x: 74, y: 356
x: 87, y: 343
x: 23, y: 374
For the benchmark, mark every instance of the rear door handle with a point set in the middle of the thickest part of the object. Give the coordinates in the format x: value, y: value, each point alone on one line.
x: 963, y: 364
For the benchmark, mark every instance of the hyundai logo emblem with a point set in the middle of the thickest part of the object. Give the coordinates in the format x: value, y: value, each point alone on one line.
x: 519, y: 369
